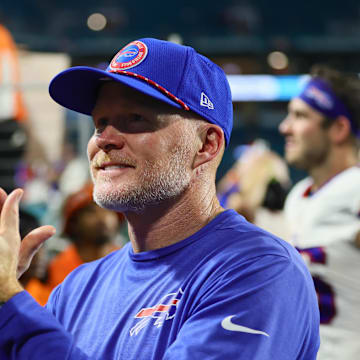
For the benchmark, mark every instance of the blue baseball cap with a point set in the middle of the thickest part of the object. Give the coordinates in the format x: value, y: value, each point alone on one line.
x: 172, y: 73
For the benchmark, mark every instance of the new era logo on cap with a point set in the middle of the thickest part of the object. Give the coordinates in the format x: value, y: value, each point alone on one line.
x: 206, y: 102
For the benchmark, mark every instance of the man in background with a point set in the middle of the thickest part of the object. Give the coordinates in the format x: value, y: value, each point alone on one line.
x: 321, y: 133
x: 92, y: 230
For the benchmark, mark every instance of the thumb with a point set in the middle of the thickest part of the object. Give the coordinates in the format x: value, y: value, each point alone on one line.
x: 31, y: 244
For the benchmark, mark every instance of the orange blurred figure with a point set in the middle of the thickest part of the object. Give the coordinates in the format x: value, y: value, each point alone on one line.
x: 90, y: 228
x: 12, y: 105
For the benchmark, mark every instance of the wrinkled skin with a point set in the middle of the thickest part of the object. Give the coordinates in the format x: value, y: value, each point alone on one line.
x: 16, y: 255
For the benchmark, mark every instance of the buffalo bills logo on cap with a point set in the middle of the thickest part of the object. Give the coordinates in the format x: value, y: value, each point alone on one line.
x: 129, y: 56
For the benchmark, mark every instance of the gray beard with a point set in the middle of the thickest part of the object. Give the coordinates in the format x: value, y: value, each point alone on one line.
x: 160, y: 181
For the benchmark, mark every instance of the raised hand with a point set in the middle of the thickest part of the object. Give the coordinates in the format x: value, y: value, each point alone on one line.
x: 16, y: 255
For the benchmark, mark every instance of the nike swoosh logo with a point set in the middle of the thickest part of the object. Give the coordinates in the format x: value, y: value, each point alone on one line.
x: 227, y: 324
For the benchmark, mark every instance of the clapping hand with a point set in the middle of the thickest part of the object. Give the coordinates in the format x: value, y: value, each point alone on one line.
x: 16, y: 255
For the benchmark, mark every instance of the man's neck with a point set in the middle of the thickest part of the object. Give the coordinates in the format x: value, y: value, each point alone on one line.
x: 332, y: 167
x: 161, y: 226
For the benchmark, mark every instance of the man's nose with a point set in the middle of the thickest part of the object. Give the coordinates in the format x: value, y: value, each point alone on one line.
x: 110, y: 138
x: 284, y: 126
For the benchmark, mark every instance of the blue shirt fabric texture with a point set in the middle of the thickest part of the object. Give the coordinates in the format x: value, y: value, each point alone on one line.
x: 230, y: 291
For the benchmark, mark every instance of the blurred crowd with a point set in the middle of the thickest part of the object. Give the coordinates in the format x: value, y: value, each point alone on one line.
x: 257, y: 185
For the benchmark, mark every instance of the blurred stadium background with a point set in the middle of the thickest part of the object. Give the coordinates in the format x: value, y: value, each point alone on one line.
x: 265, y: 48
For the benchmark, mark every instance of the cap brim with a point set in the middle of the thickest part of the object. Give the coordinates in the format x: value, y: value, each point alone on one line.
x: 76, y: 88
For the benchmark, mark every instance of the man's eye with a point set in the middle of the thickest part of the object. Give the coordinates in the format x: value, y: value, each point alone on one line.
x: 298, y: 115
x: 102, y: 122
x: 100, y: 125
x: 137, y: 118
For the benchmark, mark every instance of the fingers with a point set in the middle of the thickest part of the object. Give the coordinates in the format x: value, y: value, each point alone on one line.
x: 36, y: 238
x: 31, y: 244
x: 3, y: 196
x: 9, y: 218
x: 9, y: 241
x: 9, y: 225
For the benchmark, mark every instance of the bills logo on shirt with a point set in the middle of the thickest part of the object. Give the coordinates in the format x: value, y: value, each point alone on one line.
x: 129, y: 56
x: 164, y: 310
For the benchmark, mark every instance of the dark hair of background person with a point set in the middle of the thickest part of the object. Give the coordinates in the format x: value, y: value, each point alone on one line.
x: 345, y: 86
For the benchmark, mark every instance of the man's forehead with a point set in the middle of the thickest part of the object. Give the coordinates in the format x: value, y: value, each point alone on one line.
x: 300, y: 106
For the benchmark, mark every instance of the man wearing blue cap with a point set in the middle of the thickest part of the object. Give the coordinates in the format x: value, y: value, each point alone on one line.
x: 323, y: 210
x: 195, y: 281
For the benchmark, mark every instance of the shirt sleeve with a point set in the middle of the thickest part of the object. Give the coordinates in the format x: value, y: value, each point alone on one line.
x: 264, y: 309
x: 30, y: 332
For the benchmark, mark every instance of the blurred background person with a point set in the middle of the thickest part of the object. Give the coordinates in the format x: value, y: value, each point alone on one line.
x: 89, y: 233
x: 256, y: 187
x: 93, y: 232
x: 321, y: 133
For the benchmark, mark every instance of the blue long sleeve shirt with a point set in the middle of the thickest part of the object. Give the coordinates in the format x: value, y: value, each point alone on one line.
x: 230, y: 291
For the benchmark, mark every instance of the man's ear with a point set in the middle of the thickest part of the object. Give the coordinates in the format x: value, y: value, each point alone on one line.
x: 211, y: 144
x: 340, y: 129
